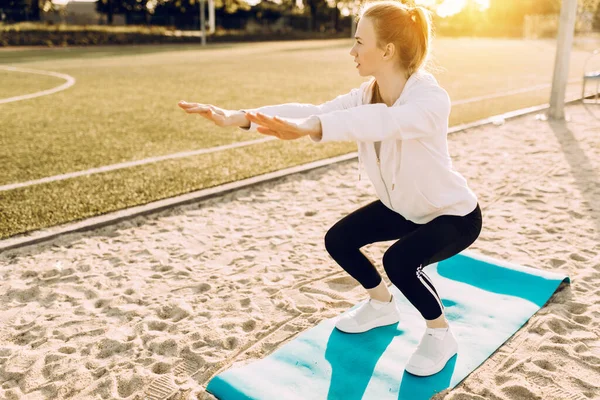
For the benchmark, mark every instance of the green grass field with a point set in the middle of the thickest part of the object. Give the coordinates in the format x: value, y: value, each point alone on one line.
x: 123, y: 107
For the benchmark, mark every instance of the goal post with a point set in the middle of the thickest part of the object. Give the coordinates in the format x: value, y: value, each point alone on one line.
x: 566, y: 31
x: 211, y: 19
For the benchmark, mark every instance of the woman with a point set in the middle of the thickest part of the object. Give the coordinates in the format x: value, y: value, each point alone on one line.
x: 399, y: 119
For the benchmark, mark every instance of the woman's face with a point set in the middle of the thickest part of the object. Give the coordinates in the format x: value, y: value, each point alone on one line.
x: 365, y: 51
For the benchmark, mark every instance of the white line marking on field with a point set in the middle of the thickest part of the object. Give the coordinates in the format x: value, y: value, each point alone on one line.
x: 70, y: 81
x: 130, y: 164
x: 151, y: 160
x: 507, y: 93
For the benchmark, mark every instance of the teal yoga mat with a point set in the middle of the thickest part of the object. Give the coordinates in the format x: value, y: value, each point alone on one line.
x: 486, y: 301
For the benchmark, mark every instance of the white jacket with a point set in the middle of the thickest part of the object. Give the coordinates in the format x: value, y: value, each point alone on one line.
x: 413, y: 174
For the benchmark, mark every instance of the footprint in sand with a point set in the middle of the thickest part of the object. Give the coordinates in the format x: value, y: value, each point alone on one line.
x: 162, y: 268
x: 230, y: 343
x: 26, y: 274
x: 108, y: 347
x: 518, y: 391
x: 57, y: 366
x: 159, y: 326
x: 581, y: 348
x: 249, y: 325
x: 161, y: 368
x: 559, y: 339
x: 198, y: 344
x: 555, y: 262
x: 30, y: 335
x: 67, y: 349
x: 202, y: 288
x: 174, y: 311
x: 544, y: 364
x: 245, y: 302
x: 578, y: 257
x: 577, y: 308
x: 195, y: 289
x: 342, y: 284
x: 102, y: 303
x: 129, y: 382
x: 163, y: 346
x: 582, y: 319
x: 23, y: 294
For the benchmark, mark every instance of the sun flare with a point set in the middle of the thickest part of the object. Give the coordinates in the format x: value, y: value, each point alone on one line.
x: 451, y: 7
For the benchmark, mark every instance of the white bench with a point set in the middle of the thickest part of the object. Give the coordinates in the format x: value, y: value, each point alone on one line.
x: 591, y: 76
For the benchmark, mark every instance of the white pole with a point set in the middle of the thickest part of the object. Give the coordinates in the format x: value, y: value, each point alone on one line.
x: 566, y: 29
x: 211, y: 16
x: 202, y: 22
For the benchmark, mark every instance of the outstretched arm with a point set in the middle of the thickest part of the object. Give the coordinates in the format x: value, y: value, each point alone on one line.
x: 286, y: 128
x: 424, y: 115
x: 302, y: 110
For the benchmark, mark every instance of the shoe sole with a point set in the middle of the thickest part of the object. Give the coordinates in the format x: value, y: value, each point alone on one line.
x: 381, y: 321
x: 436, y: 368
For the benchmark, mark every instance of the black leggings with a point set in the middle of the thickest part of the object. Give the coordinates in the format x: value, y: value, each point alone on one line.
x: 419, y: 246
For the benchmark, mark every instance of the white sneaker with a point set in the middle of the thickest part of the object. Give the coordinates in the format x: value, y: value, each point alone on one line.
x: 371, y: 314
x: 437, y: 346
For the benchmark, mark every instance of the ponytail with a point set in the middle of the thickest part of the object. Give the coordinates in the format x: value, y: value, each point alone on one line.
x: 421, y: 19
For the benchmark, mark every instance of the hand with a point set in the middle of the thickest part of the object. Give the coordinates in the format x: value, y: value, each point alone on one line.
x: 219, y: 116
x: 286, y: 128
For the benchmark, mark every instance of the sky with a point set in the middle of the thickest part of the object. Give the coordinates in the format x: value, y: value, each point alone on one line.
x: 446, y: 9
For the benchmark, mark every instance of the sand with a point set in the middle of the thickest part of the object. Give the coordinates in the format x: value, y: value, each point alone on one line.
x: 153, y: 307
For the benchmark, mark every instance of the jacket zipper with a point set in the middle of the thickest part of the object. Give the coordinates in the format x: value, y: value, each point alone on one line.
x: 382, y: 180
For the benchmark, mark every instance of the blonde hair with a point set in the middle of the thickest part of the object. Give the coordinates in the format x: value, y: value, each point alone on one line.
x: 408, y: 28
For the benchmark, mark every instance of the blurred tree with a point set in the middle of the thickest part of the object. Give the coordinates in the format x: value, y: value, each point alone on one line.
x: 126, y: 7
x: 179, y: 9
x: 596, y: 23
x: 336, y: 7
x: 231, y: 6
x: 588, y: 5
x: 34, y: 10
x: 268, y: 11
x: 184, y: 14
x: 586, y: 14
x: 339, y: 5
x: 15, y: 10
x: 314, y: 6
x: 135, y: 7
x: 108, y: 7
x: 336, y: 15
